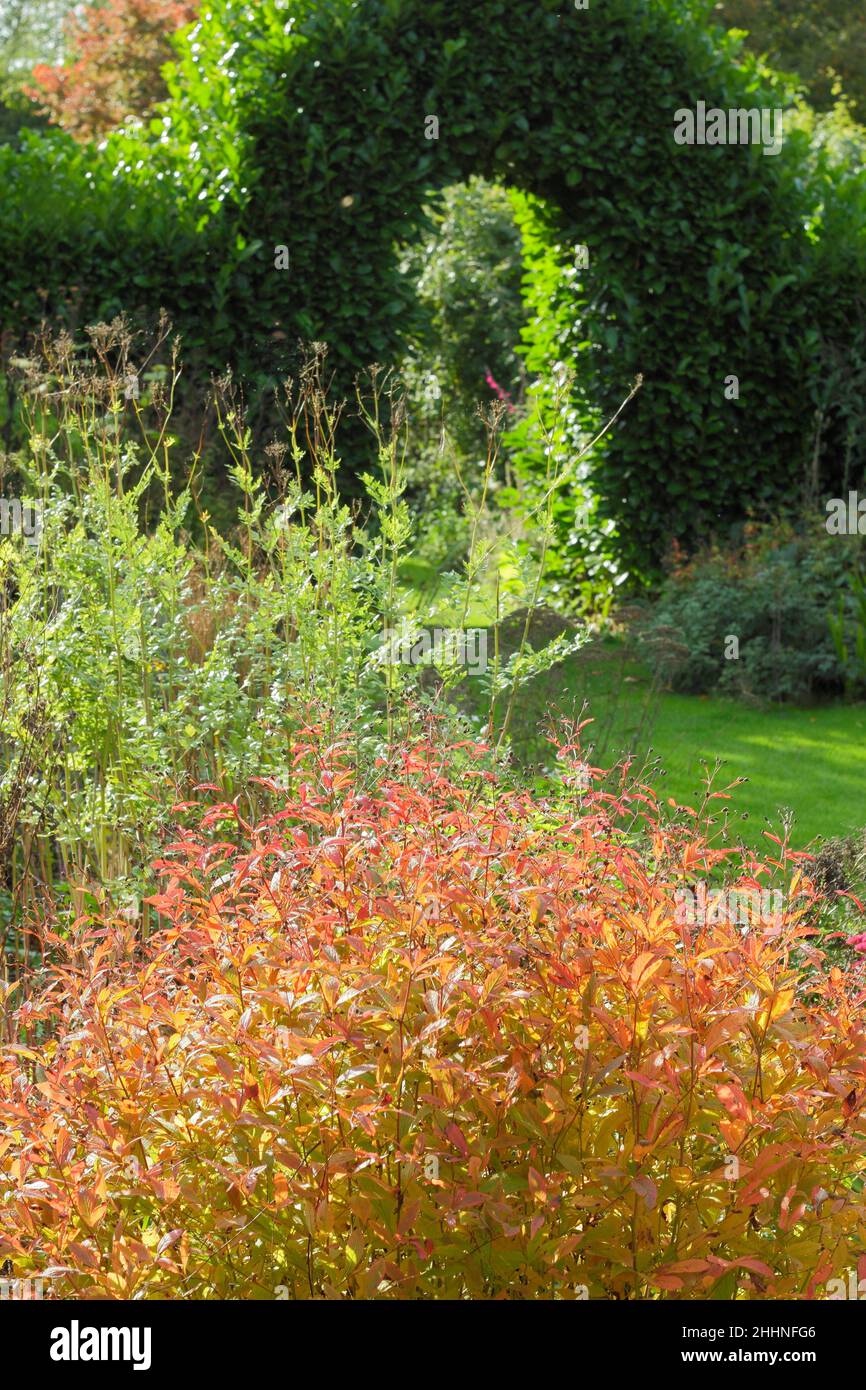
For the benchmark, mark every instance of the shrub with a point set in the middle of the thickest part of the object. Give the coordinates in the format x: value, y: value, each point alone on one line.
x: 117, y: 51
x: 162, y: 659
x: 436, y: 1040
x: 778, y: 593
x: 468, y: 275
x: 143, y: 647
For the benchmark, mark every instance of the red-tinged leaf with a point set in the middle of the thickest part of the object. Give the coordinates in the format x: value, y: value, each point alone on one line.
x: 83, y: 1255
x: 787, y: 1215
x: 647, y: 964
x: 454, y: 1134
x: 465, y: 1200
x: 734, y: 1100
x: 166, y: 1189
x: 756, y: 1266
x: 667, y: 1281
x: 224, y: 1067
x: 652, y: 1083
x: 822, y: 1273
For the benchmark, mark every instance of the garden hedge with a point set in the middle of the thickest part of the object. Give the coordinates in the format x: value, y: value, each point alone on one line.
x: 327, y: 128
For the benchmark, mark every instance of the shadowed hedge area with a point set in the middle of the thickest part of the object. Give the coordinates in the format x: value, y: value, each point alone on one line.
x: 307, y: 126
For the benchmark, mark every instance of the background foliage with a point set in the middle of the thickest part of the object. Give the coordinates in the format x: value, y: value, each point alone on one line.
x: 779, y: 593
x: 115, y: 55
x: 305, y: 127
x: 823, y: 41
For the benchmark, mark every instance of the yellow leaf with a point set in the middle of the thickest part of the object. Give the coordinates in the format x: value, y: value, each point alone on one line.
x: 775, y: 1007
x: 493, y: 979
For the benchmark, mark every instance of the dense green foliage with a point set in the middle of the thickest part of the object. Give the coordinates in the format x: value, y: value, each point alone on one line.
x: 778, y: 595
x: 144, y: 648
x: 306, y: 127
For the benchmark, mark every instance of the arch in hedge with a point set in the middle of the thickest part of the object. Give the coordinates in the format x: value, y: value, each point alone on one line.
x: 327, y: 128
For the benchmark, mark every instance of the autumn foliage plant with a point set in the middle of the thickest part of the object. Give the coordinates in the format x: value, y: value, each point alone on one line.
x: 437, y: 1040
x: 116, y: 54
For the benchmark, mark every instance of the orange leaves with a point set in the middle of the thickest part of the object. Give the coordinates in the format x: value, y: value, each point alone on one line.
x: 496, y: 978
x: 694, y: 854
x: 850, y: 1105
x: 166, y: 1189
x: 177, y: 1240
x: 682, y: 1273
x: 643, y: 970
x: 775, y: 1007
x: 85, y: 1257
x: 421, y: 1027
x: 91, y: 1205
x: 790, y: 1211
x: 734, y: 1100
x: 722, y: 1029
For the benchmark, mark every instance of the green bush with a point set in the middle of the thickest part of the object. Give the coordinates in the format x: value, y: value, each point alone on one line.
x: 776, y: 594
x: 144, y: 649
x: 467, y: 276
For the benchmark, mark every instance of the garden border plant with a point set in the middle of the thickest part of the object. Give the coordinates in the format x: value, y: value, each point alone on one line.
x: 437, y: 1039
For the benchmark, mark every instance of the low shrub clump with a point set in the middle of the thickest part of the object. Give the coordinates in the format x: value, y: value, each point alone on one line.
x: 780, y: 593
x: 439, y: 1040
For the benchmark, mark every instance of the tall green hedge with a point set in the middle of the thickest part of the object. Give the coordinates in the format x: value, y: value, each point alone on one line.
x: 307, y: 125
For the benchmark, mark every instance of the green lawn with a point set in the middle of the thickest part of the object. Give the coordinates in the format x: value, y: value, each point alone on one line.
x: 812, y: 762
x: 809, y: 761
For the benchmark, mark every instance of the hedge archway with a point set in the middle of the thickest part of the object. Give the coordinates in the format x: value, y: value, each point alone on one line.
x: 326, y: 128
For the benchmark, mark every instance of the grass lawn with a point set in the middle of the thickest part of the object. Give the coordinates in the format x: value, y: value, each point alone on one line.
x: 811, y: 762
x: 808, y: 762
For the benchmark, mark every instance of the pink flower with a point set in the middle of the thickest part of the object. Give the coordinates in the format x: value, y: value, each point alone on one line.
x: 502, y: 394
